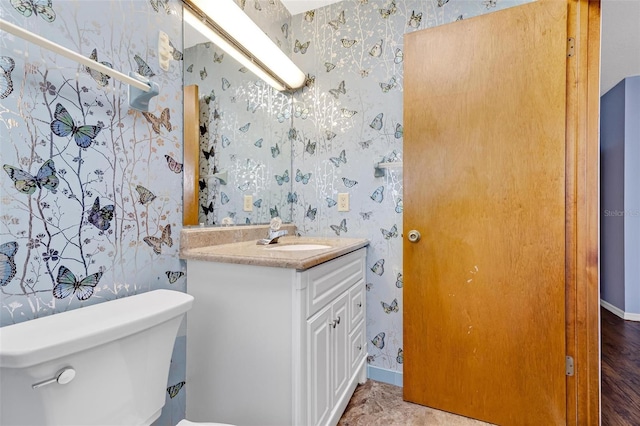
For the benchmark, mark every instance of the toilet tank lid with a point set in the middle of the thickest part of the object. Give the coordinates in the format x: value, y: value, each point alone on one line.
x: 47, y: 338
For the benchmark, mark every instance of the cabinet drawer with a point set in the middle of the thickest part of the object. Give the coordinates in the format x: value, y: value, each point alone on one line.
x: 356, y: 304
x: 357, y: 347
x: 326, y: 281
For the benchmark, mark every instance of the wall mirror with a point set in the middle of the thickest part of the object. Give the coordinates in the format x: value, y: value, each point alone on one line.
x: 244, y: 138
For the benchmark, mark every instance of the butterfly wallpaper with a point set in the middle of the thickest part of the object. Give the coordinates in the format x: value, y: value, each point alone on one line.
x: 350, y: 118
x: 89, y: 206
x: 244, y: 130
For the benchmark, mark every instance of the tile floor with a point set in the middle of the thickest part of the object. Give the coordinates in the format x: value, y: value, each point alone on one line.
x: 377, y: 403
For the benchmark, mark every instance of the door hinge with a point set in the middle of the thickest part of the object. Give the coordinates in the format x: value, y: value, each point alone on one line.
x: 571, y: 47
x: 569, y: 365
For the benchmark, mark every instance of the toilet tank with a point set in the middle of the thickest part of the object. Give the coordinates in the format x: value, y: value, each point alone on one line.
x: 120, y: 351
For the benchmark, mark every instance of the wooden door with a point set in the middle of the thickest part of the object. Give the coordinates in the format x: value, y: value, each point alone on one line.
x: 484, y: 183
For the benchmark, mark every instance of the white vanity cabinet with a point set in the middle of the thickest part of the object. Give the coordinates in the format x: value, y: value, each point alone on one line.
x: 275, y: 346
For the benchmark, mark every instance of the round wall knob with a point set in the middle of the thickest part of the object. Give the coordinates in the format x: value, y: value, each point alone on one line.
x: 414, y: 236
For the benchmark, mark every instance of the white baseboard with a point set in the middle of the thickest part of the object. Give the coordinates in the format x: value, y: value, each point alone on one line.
x: 384, y: 375
x: 619, y: 312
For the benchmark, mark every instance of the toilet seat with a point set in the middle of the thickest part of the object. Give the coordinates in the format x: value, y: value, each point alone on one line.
x: 186, y: 422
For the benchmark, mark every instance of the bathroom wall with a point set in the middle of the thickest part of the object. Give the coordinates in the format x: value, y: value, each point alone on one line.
x: 619, y: 200
x: 347, y: 119
x: 91, y: 204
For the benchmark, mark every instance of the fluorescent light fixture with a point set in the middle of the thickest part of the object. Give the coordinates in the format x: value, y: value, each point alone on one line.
x: 225, y: 24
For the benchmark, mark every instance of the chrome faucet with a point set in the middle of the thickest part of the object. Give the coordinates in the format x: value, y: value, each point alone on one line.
x: 274, y: 232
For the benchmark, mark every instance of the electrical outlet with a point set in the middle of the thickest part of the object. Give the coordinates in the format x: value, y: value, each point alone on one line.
x: 248, y: 203
x: 343, y: 202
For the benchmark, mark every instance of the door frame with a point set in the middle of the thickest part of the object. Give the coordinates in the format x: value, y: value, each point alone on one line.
x: 582, y: 210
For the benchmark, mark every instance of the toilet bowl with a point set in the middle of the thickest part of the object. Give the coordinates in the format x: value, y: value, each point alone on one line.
x: 104, y: 364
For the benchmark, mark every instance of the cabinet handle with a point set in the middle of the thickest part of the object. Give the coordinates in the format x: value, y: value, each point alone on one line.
x: 359, y: 305
x: 359, y: 348
x: 334, y: 322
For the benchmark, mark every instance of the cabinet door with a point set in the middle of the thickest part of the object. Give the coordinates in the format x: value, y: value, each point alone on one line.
x: 356, y: 305
x: 340, y: 341
x: 319, y: 335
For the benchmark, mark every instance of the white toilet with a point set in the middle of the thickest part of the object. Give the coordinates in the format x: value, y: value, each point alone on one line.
x: 106, y: 364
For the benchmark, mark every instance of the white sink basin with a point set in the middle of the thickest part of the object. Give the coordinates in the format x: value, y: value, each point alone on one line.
x: 298, y: 247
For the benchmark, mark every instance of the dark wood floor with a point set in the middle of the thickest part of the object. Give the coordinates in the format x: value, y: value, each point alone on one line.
x: 620, y: 370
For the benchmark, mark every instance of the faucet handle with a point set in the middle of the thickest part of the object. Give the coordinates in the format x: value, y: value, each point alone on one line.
x: 275, y: 223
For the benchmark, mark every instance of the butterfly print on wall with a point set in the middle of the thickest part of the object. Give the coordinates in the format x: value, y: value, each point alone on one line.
x: 63, y: 126
x: 339, y: 228
x: 392, y: 307
x: 376, y: 50
x: 391, y: 233
x: 301, y: 47
x: 208, y: 154
x: 342, y: 158
x: 399, y: 56
x: 27, y: 184
x: 283, y: 178
x: 7, y: 262
x: 309, y: 15
x: 68, y: 284
x: 376, y: 124
x: 143, y: 68
x: 348, y: 43
x: 415, y: 19
x: 304, y: 178
x: 389, y: 10
x: 311, y: 213
x: 177, y: 55
x: 174, y: 166
x: 399, y: 280
x: 7, y: 64
x: 378, y: 194
x: 378, y: 267
x: 340, y: 89
x: 388, y: 86
x: 378, y: 340
x: 157, y: 122
x: 349, y: 183
x: 41, y: 8
x: 101, y: 217
x: 156, y: 243
x: 207, y: 209
x: 158, y: 4
x: 174, y: 389
x: 174, y: 276
x: 346, y: 113
x: 146, y: 196
x: 335, y: 23
x: 100, y: 78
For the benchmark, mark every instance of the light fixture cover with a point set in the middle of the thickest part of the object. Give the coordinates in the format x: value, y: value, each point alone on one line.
x: 228, y: 16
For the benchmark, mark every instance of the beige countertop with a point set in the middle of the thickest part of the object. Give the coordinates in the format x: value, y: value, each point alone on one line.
x: 248, y: 253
